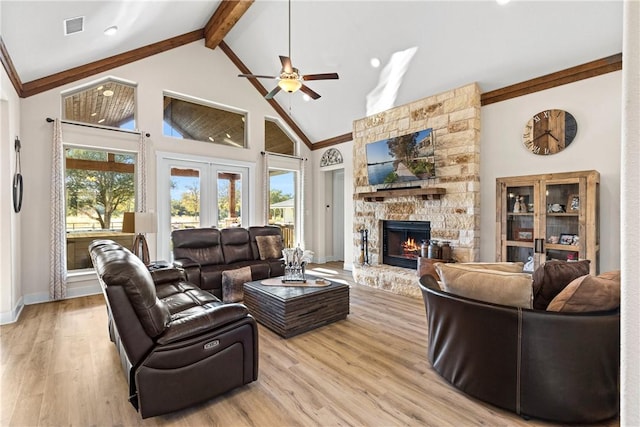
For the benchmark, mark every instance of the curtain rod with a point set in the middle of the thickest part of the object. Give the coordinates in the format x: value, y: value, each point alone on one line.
x: 137, y: 132
x: 284, y: 155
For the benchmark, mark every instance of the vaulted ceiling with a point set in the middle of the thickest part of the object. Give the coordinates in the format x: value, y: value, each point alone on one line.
x: 424, y: 47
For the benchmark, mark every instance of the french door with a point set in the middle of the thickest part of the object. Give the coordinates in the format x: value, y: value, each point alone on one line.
x: 200, y: 192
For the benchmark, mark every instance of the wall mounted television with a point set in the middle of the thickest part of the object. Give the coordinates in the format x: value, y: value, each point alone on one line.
x: 401, y: 159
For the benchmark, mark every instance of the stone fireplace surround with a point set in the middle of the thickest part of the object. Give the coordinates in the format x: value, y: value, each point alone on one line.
x: 454, y: 216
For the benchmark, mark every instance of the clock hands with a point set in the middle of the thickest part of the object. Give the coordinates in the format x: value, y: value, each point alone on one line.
x: 546, y: 132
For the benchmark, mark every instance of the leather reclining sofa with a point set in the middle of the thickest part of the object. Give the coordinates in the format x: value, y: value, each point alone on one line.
x: 204, y: 253
x: 178, y: 345
x: 550, y: 365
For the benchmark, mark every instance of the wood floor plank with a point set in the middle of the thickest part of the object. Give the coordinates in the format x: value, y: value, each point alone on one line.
x: 58, y: 367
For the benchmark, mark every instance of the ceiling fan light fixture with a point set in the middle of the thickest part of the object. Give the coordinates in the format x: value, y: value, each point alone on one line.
x: 290, y: 85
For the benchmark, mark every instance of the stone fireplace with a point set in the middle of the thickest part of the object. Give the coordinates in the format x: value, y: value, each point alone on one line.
x: 402, y: 241
x: 450, y: 202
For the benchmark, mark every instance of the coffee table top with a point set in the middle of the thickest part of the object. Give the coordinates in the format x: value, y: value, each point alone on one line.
x: 290, y: 292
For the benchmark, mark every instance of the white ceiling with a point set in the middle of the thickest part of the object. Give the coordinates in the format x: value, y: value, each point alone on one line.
x: 457, y: 42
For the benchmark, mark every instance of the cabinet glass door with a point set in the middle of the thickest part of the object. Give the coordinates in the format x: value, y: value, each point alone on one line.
x: 562, y: 221
x: 520, y: 227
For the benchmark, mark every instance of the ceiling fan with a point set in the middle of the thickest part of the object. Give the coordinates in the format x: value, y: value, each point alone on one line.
x: 290, y: 79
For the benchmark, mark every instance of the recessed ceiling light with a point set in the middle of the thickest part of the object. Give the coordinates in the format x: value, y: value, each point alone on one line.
x: 502, y: 2
x: 111, y: 30
x: 375, y: 62
x: 211, y: 139
x: 101, y: 120
x: 94, y: 114
x: 99, y: 87
x: 108, y: 92
x: 228, y: 136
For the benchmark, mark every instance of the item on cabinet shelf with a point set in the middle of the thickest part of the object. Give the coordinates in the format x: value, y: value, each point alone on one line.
x: 523, y: 234
x: 530, y: 207
x: 572, y: 257
x: 433, y: 250
x: 573, y: 204
x: 568, y: 239
x: 445, y: 251
x: 549, y: 132
x: 528, y: 266
x: 554, y: 239
x: 555, y: 208
x: 516, y: 205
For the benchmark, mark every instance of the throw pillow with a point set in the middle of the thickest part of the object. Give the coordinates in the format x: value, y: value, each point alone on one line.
x: 269, y: 247
x: 497, y: 287
x: 232, y: 284
x: 588, y: 293
x: 552, y: 277
x: 509, y: 267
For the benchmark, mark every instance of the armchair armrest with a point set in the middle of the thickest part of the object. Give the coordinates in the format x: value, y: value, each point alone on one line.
x: 166, y: 275
x: 185, y: 263
x: 201, y: 319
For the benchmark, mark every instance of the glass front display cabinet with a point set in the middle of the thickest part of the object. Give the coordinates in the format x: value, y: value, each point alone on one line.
x: 548, y: 216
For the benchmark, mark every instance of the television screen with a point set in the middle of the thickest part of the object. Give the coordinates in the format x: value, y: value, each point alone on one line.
x: 401, y: 159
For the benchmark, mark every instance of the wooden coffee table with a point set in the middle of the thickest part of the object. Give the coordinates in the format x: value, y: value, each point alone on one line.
x: 291, y: 310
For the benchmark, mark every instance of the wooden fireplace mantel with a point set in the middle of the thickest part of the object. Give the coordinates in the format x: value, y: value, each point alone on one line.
x: 429, y: 193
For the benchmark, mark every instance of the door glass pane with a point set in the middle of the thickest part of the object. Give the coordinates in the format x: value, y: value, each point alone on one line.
x: 282, y: 206
x: 185, y: 198
x: 520, y: 227
x: 229, y: 199
x: 562, y: 221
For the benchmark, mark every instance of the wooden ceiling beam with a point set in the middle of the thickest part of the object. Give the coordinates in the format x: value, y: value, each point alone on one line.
x: 71, y: 75
x: 222, y: 21
x: 10, y: 69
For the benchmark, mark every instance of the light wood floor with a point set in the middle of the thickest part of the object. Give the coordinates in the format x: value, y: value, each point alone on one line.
x: 58, y: 367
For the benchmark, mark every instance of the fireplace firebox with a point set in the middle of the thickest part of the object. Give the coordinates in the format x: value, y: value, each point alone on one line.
x: 402, y: 240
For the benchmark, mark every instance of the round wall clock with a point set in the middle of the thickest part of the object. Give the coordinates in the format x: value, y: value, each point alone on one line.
x: 549, y: 132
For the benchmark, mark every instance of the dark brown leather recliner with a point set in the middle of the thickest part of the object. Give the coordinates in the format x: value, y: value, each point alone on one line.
x: 178, y: 345
x: 556, y: 366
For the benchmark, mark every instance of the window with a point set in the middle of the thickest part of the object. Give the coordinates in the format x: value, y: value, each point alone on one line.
x: 104, y: 103
x: 277, y: 140
x: 202, y: 122
x: 100, y: 187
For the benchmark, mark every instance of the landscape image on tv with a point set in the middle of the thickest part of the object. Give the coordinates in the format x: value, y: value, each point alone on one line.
x: 401, y: 159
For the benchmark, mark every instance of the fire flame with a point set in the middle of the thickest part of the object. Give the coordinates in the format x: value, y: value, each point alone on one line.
x: 410, y: 245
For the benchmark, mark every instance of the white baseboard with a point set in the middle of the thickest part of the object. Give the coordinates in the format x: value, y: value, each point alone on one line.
x: 75, y: 292
x: 13, y: 315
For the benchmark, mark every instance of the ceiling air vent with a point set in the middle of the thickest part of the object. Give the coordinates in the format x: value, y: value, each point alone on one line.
x: 73, y: 25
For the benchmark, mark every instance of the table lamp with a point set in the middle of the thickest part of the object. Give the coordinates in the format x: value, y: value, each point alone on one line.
x: 140, y: 223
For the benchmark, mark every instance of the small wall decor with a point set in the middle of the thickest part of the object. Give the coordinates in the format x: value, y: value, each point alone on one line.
x: 331, y: 157
x: 17, y: 179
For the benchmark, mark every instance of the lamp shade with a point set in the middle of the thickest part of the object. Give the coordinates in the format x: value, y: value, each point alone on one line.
x: 139, y: 222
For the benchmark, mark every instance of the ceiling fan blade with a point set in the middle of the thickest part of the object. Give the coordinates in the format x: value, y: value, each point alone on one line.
x: 256, y: 76
x: 286, y: 64
x: 272, y: 93
x: 324, y: 76
x: 309, y: 92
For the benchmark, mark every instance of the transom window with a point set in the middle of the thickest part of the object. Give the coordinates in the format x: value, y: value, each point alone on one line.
x: 105, y: 103
x: 203, y: 122
x: 276, y: 140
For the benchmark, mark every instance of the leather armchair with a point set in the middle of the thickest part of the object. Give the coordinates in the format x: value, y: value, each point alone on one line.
x: 556, y: 366
x: 178, y: 345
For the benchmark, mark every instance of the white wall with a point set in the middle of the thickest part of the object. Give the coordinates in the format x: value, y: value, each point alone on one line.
x: 193, y: 70
x: 596, y: 105
x: 10, y: 290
